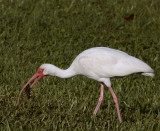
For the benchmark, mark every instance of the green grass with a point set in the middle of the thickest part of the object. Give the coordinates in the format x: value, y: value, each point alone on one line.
x: 33, y: 32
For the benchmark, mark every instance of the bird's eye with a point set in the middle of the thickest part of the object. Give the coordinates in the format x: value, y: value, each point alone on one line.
x: 40, y: 71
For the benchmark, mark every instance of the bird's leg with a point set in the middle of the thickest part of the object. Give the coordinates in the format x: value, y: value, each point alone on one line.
x: 100, y: 100
x: 116, y: 102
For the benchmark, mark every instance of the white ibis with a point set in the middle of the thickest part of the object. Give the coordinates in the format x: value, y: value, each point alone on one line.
x: 99, y: 63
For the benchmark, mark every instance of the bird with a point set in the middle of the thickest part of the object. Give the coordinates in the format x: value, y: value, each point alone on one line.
x: 97, y: 63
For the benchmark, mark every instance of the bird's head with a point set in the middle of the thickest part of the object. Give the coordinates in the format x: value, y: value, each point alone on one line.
x: 42, y: 71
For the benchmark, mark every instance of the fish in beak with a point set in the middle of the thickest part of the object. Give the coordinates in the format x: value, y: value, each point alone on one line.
x: 37, y: 76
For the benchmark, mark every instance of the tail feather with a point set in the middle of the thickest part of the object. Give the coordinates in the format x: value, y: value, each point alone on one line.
x: 148, y: 74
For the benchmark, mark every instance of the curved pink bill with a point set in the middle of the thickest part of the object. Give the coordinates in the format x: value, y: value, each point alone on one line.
x: 33, y: 77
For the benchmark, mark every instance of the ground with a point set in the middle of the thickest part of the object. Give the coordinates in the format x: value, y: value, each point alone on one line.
x: 33, y: 32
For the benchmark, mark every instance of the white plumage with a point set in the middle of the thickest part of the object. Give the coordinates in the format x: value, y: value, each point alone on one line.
x: 101, y: 64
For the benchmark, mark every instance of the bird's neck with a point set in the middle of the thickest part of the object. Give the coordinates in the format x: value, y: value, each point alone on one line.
x: 64, y: 73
